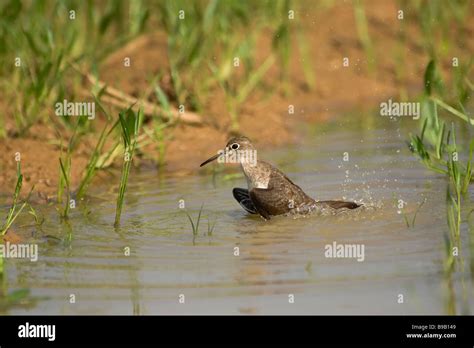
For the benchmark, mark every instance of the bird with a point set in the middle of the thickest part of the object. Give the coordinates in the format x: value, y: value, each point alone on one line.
x: 270, y: 192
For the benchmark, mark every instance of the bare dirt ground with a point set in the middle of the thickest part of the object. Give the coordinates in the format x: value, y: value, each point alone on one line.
x: 332, y: 35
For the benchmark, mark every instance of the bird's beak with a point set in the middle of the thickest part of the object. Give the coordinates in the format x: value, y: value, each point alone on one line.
x: 213, y: 158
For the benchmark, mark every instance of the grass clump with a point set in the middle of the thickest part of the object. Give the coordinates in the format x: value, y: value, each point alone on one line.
x: 413, y: 220
x: 437, y: 148
x: 15, y: 208
x: 130, y: 125
x: 65, y: 164
x: 195, y: 224
x: 65, y: 178
x: 94, y: 160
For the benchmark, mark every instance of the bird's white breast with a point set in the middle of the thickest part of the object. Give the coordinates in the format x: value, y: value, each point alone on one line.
x: 256, y: 178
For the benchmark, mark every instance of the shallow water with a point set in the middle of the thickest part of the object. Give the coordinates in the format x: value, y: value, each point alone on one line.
x: 278, y: 258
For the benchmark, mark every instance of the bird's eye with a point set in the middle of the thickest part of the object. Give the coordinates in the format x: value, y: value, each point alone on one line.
x: 234, y: 146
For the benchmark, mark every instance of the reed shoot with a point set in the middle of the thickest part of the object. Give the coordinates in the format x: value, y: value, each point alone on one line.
x: 130, y: 124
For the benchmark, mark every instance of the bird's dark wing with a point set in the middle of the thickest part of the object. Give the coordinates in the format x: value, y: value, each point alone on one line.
x: 340, y: 204
x: 281, y: 196
x: 258, y: 197
x: 242, y: 196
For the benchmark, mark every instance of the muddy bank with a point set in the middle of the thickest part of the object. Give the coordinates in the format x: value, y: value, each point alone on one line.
x: 332, y: 35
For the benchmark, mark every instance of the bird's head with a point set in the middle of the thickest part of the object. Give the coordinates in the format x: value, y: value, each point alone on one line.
x: 238, y: 150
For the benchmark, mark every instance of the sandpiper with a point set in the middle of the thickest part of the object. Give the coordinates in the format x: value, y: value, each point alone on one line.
x: 270, y: 192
